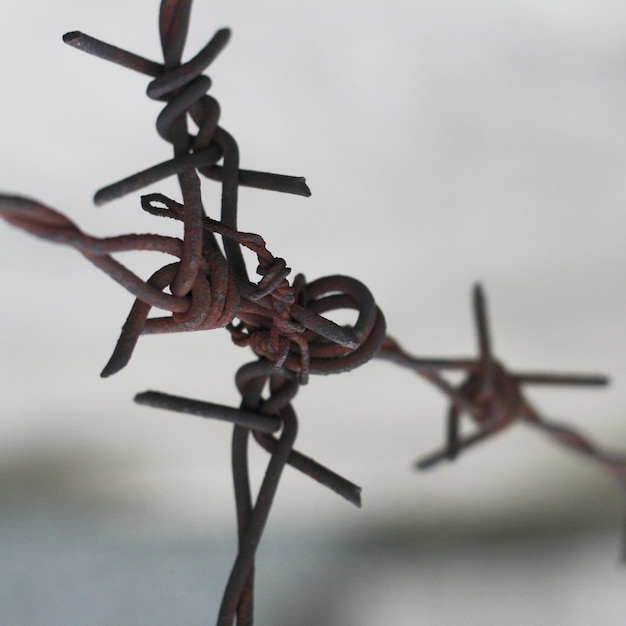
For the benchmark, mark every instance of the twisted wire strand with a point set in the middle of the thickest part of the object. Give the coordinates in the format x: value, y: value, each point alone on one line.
x: 46, y: 223
x: 252, y: 518
x: 206, y: 111
x: 564, y: 435
x: 274, y: 318
x: 206, y: 295
x: 279, y: 398
x: 492, y: 396
x: 274, y: 329
x: 284, y: 323
x: 209, y: 288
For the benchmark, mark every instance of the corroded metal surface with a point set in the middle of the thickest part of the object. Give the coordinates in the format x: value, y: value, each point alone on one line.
x: 284, y: 323
x: 492, y: 397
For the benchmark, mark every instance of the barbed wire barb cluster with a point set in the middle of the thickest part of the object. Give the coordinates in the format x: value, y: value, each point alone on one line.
x: 492, y: 397
x: 285, y: 324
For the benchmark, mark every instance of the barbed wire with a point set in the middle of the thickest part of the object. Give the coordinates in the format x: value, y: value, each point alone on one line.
x: 284, y: 323
x: 492, y: 397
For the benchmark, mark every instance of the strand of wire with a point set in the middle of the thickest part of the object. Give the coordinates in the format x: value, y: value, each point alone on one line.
x: 492, y: 396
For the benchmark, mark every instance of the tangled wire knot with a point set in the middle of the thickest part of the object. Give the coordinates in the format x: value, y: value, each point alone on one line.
x: 286, y: 325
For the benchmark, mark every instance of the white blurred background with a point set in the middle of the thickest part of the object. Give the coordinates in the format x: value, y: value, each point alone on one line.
x: 445, y: 143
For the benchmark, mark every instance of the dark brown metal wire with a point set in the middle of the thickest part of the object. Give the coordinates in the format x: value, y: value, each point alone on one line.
x: 207, y: 286
x: 492, y: 397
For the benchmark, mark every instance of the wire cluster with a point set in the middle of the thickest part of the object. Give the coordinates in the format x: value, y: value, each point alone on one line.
x: 287, y: 325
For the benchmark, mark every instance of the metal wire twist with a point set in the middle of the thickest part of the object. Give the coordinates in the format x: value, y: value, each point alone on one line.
x: 209, y: 288
x: 285, y: 324
x: 492, y: 397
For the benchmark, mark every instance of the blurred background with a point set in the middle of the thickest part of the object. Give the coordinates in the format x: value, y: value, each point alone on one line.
x: 445, y: 143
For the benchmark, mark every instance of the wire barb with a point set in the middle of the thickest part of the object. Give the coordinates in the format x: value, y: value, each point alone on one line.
x: 207, y: 286
x: 492, y: 397
x: 287, y: 325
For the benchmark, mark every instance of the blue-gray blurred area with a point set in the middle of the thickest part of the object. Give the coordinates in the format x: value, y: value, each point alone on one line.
x: 445, y: 143
x: 64, y: 569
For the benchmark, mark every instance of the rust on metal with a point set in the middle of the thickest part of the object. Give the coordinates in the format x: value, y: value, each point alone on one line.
x: 492, y: 397
x: 205, y: 285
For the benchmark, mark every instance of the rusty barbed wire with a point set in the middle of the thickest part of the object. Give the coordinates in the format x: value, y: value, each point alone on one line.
x: 492, y: 397
x: 209, y: 286
x: 284, y: 323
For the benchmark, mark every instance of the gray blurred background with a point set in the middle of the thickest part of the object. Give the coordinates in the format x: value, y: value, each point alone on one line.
x: 445, y: 143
